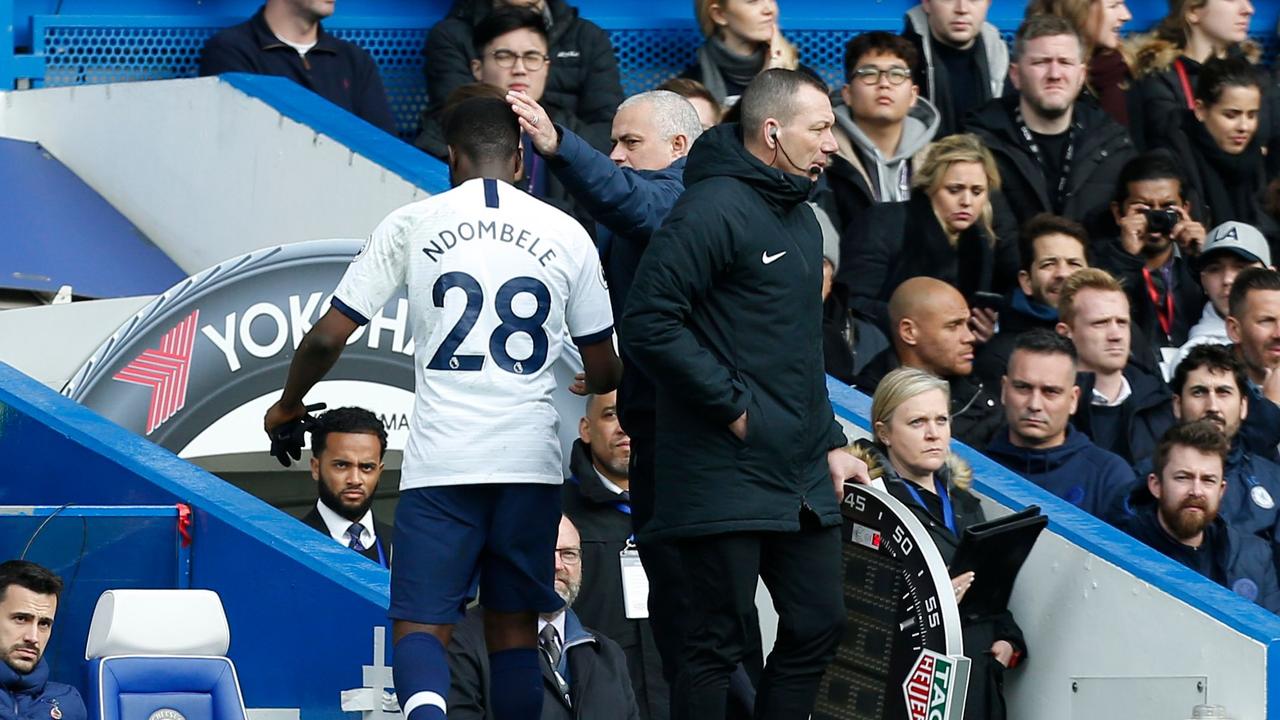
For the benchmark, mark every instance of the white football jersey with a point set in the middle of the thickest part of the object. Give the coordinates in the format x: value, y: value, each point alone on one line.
x: 497, y: 282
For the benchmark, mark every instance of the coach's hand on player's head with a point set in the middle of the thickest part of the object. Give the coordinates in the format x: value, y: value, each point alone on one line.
x: 846, y: 468
x: 535, y: 122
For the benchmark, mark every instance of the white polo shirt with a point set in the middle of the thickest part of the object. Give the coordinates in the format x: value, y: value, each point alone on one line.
x: 497, y: 282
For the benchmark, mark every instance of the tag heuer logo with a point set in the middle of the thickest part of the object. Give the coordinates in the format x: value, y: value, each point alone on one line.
x: 928, y: 686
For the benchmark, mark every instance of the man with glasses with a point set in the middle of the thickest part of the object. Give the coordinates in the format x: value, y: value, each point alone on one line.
x: 881, y: 124
x: 582, y: 83
x: 584, y: 673
x: 1055, y: 154
x: 1181, y: 520
x: 512, y: 57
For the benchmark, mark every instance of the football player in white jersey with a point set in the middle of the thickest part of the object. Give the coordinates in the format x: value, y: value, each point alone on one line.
x: 497, y: 280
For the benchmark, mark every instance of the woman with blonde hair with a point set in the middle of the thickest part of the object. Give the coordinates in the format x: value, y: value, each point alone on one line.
x: 1098, y: 23
x: 743, y: 40
x: 946, y: 230
x: 1167, y: 64
x: 911, y: 453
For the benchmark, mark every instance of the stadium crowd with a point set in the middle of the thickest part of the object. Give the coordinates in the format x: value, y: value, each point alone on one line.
x: 1057, y: 251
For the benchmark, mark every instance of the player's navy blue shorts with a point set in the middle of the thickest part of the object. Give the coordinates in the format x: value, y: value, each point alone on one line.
x: 447, y: 538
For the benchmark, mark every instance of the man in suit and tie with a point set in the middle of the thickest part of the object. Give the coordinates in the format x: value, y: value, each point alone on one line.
x: 584, y: 673
x: 347, y: 446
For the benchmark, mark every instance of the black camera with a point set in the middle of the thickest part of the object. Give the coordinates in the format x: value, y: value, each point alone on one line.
x: 1161, y: 221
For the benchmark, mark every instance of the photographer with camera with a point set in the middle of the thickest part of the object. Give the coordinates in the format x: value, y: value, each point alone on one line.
x: 1152, y: 255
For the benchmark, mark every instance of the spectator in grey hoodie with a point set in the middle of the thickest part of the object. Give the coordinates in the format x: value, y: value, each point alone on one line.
x: 881, y: 124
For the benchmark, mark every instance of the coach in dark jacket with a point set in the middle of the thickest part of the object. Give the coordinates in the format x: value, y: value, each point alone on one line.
x: 1101, y: 148
x: 592, y: 665
x: 725, y: 316
x: 336, y: 70
x: 584, y: 80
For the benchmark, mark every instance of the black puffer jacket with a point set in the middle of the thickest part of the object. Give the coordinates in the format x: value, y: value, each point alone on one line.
x: 583, y: 80
x: 1102, y: 149
x: 725, y: 315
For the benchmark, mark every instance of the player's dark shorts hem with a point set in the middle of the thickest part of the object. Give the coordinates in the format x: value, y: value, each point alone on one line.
x: 452, y: 541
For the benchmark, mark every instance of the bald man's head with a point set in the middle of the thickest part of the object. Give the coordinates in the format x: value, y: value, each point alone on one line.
x: 930, y: 323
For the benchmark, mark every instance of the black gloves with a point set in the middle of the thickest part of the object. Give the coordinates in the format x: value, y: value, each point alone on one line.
x: 287, y: 439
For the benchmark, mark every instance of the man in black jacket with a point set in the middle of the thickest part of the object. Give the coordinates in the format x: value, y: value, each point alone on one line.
x: 583, y: 84
x: 584, y: 673
x: 286, y: 38
x: 1055, y: 154
x: 929, y: 320
x: 1124, y: 406
x: 1182, y: 522
x: 963, y: 59
x: 347, y: 447
x: 1165, y: 298
x: 1050, y: 250
x: 725, y: 317
x: 597, y: 498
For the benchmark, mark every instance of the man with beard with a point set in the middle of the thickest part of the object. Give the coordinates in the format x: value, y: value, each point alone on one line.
x: 1039, y: 393
x: 28, y: 603
x: 1055, y: 154
x: 1164, y: 297
x: 347, y: 446
x: 1210, y: 384
x: 1050, y: 250
x: 1126, y: 407
x: 930, y: 331
x: 584, y: 673
x: 597, y: 498
x: 1182, y: 522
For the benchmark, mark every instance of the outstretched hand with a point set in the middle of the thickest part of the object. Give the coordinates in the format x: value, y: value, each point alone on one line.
x: 535, y: 122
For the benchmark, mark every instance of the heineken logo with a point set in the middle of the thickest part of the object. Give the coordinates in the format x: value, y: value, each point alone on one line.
x: 928, y: 686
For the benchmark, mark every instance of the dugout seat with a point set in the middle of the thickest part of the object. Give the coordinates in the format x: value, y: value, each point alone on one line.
x: 161, y: 655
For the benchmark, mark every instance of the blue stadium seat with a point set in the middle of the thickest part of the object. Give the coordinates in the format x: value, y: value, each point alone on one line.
x: 160, y: 655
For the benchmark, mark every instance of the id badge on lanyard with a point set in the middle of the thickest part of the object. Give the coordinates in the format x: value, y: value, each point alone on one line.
x: 635, y: 583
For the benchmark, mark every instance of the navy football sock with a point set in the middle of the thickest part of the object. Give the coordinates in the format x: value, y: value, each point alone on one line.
x: 421, y: 672
x: 516, y: 682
